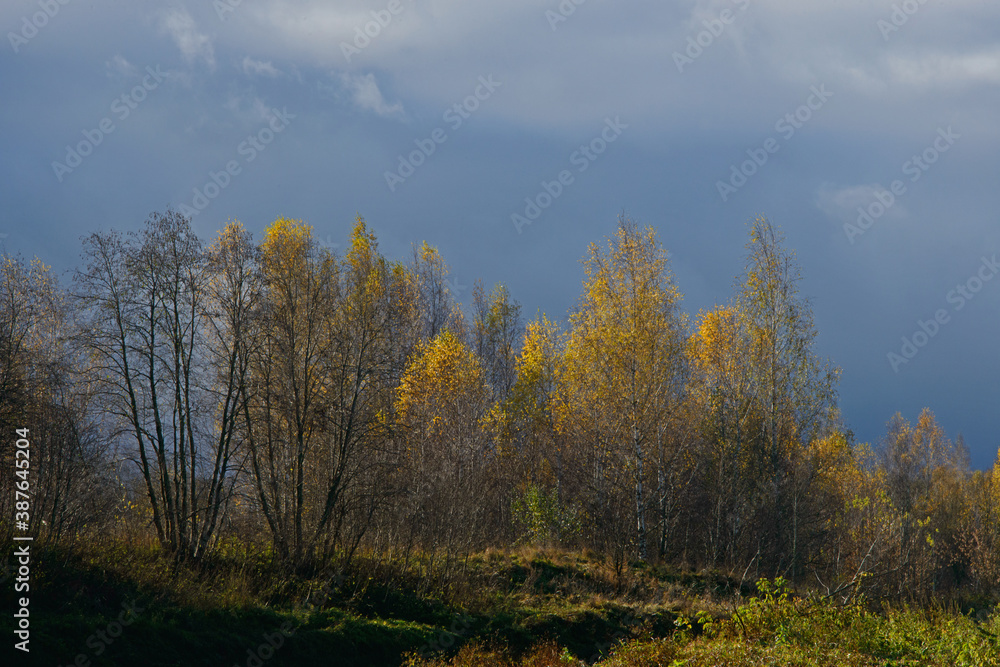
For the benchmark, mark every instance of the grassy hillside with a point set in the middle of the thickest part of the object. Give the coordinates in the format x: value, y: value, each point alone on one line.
x: 129, y: 605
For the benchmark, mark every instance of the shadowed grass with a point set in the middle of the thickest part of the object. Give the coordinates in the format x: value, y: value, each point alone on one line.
x: 527, y: 607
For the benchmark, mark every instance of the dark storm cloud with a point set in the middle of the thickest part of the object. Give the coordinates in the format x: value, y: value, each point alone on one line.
x: 259, y: 109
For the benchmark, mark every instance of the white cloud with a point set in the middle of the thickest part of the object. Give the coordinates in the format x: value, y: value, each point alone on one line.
x: 841, y: 204
x: 193, y: 45
x: 119, y: 67
x: 248, y: 106
x: 562, y: 80
x: 366, y: 95
x: 252, y: 67
x: 946, y: 70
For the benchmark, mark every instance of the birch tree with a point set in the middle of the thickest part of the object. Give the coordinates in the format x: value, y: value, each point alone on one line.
x: 625, y: 351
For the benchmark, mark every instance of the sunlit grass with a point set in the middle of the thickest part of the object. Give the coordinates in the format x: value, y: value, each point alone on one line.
x: 532, y: 607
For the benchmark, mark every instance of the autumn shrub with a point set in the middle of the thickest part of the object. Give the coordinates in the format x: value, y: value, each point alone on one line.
x: 542, y: 518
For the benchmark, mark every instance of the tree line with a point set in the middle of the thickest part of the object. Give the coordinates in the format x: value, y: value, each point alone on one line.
x: 274, y: 394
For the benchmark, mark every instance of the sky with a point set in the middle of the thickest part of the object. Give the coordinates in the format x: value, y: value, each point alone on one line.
x: 511, y: 135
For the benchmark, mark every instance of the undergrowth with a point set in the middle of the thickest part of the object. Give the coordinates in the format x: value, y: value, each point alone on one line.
x: 528, y: 607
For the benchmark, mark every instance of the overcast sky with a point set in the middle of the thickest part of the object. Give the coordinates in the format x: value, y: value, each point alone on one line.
x: 510, y: 134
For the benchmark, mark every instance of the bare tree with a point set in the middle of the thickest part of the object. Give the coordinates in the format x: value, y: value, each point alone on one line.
x: 69, y: 474
x: 497, y: 331
x: 320, y: 410
x: 142, y: 301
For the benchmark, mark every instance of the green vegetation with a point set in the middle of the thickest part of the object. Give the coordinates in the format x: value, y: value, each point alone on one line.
x: 526, y: 607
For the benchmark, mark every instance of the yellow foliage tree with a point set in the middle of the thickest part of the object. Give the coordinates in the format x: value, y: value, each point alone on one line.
x: 625, y: 367
x: 289, y: 398
x: 441, y: 405
x: 443, y: 392
x: 766, y: 396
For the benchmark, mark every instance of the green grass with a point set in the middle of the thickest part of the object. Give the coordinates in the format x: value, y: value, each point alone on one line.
x: 775, y: 629
x: 526, y: 607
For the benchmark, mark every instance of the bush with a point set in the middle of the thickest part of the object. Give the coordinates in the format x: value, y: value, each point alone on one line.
x: 539, y: 514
